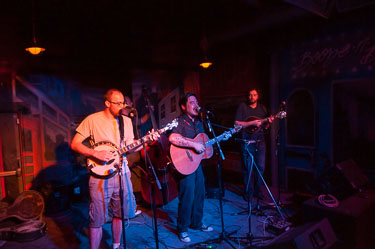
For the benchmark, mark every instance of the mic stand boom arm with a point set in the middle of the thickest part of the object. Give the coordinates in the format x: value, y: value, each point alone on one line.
x: 216, y: 141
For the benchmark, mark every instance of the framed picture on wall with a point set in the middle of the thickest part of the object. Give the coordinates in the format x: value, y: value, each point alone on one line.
x: 173, y: 104
x: 168, y: 107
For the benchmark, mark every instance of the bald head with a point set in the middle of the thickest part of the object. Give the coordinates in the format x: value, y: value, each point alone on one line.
x: 109, y: 93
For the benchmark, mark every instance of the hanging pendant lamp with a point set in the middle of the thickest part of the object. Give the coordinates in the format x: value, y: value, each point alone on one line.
x: 34, y: 49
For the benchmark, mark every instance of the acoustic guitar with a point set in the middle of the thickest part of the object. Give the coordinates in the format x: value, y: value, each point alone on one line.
x: 107, y: 169
x: 187, y: 160
x: 253, y: 128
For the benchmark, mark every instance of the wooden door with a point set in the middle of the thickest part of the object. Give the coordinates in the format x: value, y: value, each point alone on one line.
x: 30, y: 149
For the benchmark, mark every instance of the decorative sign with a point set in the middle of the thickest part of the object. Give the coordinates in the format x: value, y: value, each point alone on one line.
x: 341, y: 55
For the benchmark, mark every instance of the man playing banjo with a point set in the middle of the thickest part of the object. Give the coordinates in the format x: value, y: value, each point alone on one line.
x: 105, y: 191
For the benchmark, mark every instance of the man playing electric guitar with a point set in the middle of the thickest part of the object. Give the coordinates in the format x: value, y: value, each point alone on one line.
x: 191, y: 187
x: 249, y: 115
x: 105, y: 192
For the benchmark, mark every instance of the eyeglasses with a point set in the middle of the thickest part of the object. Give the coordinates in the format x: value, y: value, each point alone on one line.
x: 117, y: 103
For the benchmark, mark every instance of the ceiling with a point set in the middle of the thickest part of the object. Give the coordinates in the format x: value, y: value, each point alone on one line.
x: 124, y: 32
x: 104, y: 37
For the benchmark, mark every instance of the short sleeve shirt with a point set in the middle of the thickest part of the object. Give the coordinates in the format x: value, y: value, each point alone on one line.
x: 187, y: 127
x: 244, y: 111
x: 101, y: 129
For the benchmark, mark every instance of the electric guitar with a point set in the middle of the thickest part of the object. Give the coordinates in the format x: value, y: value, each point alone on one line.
x: 253, y: 128
x: 187, y: 160
x: 107, y: 169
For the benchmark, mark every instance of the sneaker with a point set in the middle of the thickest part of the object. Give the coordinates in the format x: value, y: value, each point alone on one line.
x: 137, y: 212
x: 184, y: 237
x: 118, y: 247
x: 204, y: 228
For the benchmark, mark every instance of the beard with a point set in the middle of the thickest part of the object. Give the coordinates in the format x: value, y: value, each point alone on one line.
x: 114, y: 113
x: 253, y: 101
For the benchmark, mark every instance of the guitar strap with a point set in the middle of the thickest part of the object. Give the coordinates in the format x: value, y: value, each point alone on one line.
x: 121, y: 127
x: 264, y: 109
x: 91, y: 141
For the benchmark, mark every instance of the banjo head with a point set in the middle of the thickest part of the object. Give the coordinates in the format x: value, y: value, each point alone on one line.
x: 107, y: 169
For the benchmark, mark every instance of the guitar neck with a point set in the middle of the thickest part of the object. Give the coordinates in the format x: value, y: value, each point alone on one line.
x: 279, y: 115
x: 266, y: 119
x: 139, y: 142
x: 219, y: 138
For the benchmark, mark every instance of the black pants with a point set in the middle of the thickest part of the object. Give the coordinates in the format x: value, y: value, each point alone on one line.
x: 258, y: 151
x: 191, y: 196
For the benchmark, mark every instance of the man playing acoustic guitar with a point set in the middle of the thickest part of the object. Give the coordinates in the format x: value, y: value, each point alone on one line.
x: 105, y: 191
x: 191, y: 187
x: 249, y: 115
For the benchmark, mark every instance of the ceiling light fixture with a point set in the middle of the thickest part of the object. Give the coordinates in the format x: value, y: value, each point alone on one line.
x: 204, y: 47
x: 34, y: 50
x: 206, y: 63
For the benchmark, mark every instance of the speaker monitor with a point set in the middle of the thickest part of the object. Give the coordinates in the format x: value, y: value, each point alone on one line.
x: 309, y: 236
x: 352, y: 173
x: 343, y: 180
x: 353, y: 220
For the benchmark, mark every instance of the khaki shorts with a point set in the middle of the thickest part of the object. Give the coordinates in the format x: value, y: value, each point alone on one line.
x: 105, y: 198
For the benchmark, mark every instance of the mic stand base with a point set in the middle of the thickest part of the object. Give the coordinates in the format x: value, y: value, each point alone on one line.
x: 258, y: 211
x: 224, y: 236
x: 250, y: 237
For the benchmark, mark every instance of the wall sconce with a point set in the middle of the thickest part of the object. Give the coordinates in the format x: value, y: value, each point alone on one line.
x: 34, y: 50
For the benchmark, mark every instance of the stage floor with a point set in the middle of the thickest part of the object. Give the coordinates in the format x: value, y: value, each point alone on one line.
x: 69, y: 228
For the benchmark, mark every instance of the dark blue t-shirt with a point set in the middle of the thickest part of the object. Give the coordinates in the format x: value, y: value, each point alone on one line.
x: 244, y: 111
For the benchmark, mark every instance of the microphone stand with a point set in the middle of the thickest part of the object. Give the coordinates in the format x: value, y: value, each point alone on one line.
x: 223, y: 235
x: 153, y: 179
x: 120, y: 169
x: 121, y: 177
x: 250, y: 236
x: 258, y: 211
x: 278, y: 168
x: 282, y: 107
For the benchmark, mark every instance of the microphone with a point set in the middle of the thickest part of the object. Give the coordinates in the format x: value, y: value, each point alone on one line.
x: 127, y: 108
x: 201, y: 110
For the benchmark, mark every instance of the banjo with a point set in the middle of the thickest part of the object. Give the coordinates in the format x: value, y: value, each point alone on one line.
x: 109, y: 168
